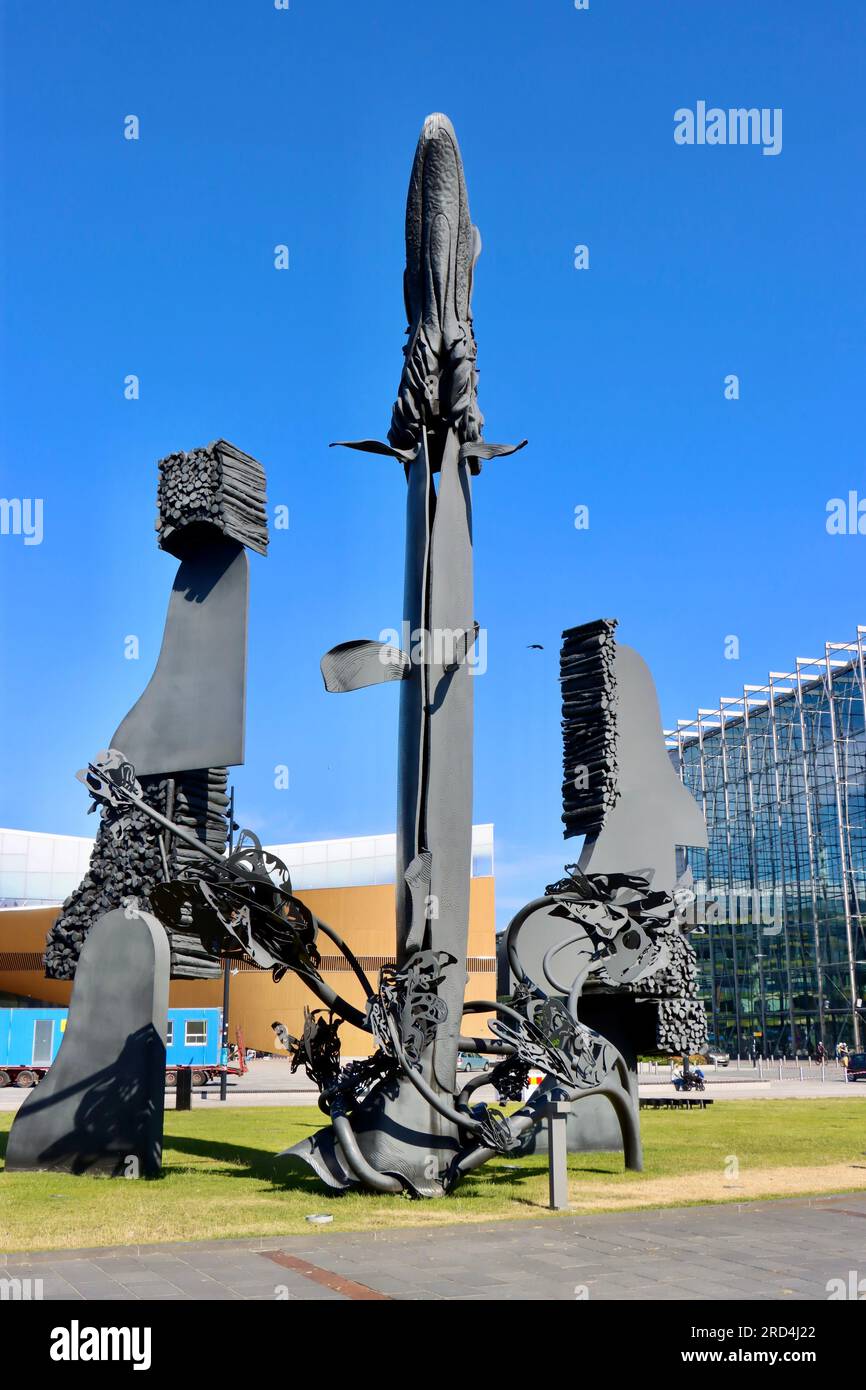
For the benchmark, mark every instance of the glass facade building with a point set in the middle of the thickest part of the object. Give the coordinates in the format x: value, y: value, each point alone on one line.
x: 780, y: 773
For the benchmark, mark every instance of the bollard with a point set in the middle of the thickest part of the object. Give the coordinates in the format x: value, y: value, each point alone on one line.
x: 556, y: 1114
x: 183, y: 1091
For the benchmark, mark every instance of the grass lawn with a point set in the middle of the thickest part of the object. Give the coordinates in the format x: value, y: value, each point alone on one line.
x: 221, y: 1178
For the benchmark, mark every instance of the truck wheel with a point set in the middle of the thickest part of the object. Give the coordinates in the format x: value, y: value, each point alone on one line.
x: 171, y: 1080
x: 199, y: 1077
x: 5, y: 1079
x: 25, y: 1078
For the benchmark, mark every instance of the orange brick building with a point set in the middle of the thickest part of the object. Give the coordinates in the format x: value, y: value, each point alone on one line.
x: 362, y: 913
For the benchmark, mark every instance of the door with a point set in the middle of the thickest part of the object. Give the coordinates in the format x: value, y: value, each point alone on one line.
x: 43, y: 1042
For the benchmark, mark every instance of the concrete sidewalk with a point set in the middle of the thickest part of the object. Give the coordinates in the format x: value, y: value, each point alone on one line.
x: 752, y: 1251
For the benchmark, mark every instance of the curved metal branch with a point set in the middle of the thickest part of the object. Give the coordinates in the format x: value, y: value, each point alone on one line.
x: 518, y: 1124
x: 482, y: 1079
x: 484, y: 1045
x: 512, y: 932
x: 371, y: 1177
x: 577, y: 984
x: 487, y: 1006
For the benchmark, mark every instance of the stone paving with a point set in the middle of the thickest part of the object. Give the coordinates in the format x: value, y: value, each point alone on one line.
x: 745, y: 1251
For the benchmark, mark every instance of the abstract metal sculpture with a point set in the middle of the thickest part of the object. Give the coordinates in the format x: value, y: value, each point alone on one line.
x: 600, y: 936
x: 399, y: 1119
x: 410, y: 1135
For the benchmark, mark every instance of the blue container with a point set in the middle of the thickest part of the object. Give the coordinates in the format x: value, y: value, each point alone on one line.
x: 31, y: 1037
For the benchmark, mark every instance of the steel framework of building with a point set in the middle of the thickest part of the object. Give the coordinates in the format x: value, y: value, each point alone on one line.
x: 780, y: 773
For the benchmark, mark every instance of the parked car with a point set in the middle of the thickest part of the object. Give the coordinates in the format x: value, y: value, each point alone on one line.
x: 472, y: 1061
x: 719, y: 1059
x: 857, y: 1066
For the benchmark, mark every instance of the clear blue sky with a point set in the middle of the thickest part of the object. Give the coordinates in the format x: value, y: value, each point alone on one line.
x: 258, y: 127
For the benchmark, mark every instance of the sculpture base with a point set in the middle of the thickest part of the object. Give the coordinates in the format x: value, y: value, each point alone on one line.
x: 100, y: 1107
x: 593, y: 1124
x: 393, y: 1134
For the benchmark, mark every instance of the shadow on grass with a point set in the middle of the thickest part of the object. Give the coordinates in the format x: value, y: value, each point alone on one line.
x: 498, y: 1177
x: 538, y: 1169
x: 240, y: 1161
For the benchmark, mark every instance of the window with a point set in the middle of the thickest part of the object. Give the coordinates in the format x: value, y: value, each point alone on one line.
x: 195, y: 1034
x: 169, y: 1032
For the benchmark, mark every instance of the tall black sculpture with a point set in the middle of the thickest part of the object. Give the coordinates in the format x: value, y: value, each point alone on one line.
x: 435, y: 430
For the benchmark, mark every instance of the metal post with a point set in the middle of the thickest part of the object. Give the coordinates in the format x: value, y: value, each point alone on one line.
x: 556, y: 1114
x: 183, y: 1091
x: 843, y: 857
x: 224, y: 1079
x: 780, y: 843
x: 730, y: 876
x: 813, y: 873
x: 861, y: 932
x: 753, y: 869
x: 714, y: 1003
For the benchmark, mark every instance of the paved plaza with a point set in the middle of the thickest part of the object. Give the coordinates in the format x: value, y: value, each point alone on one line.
x: 788, y: 1250
x: 269, y: 1081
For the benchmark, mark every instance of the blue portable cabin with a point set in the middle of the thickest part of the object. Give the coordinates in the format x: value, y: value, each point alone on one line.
x: 31, y: 1037
x: 194, y: 1038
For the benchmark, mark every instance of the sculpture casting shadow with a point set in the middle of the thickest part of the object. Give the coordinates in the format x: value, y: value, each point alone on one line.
x: 114, y: 1116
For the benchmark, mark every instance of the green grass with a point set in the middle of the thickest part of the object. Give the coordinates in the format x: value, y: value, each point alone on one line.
x: 221, y: 1178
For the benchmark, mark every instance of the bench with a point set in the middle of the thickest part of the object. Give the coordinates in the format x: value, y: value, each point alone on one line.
x: 675, y: 1103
